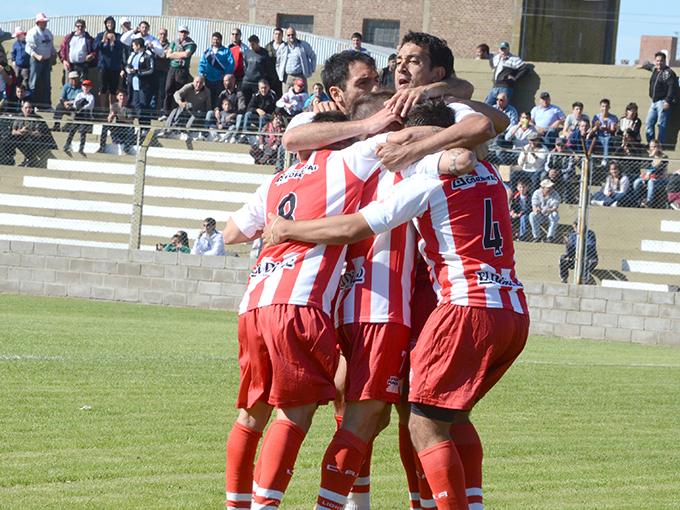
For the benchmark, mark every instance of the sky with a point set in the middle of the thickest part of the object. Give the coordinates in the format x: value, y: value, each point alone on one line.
x: 652, y: 17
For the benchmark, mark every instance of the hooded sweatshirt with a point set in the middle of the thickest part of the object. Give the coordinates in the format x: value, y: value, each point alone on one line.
x: 110, y: 54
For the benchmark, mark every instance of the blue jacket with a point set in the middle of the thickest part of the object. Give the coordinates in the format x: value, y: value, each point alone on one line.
x: 110, y: 55
x: 215, y: 65
x: 19, y: 54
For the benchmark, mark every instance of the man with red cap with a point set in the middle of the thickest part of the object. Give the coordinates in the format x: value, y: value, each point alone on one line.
x: 291, y: 103
x: 40, y: 47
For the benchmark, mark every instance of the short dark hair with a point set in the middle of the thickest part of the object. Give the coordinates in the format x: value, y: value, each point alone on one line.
x: 330, y: 116
x: 357, y: 35
x: 631, y: 105
x: 139, y: 41
x: 121, y: 91
x: 393, y: 56
x: 264, y: 81
x: 607, y: 101
x: 439, y: 52
x: 144, y: 23
x: 22, y: 87
x: 577, y: 103
x: 278, y: 29
x: 319, y: 84
x: 217, y: 34
x: 660, y: 54
x: 210, y: 221
x: 253, y: 38
x: 431, y: 113
x: 369, y: 104
x: 336, y: 69
x: 81, y: 21
x: 525, y: 181
x: 483, y: 47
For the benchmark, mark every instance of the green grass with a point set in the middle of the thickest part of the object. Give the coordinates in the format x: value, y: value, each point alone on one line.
x: 107, y: 405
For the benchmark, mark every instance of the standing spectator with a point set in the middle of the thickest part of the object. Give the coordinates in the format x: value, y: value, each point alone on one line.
x: 122, y: 132
x: 663, y: 91
x: 140, y: 70
x: 162, y: 69
x: 615, y: 188
x: 548, y: 119
x: 544, y: 204
x: 317, y: 93
x: 294, y: 60
x: 21, y: 59
x: 77, y: 52
x: 357, y: 40
x: 272, y: 47
x: 630, y: 124
x: 180, y: 52
x: 652, y: 179
x: 256, y: 61
x: 292, y: 102
x: 261, y: 104
x: 209, y: 241
x: 483, y: 53
x: 109, y: 50
x: 572, y: 120
x: 520, y: 208
x: 507, y: 69
x: 237, y: 102
x: 605, y: 125
x: 532, y: 159
x: 67, y: 99
x: 216, y: 62
x: 386, y: 74
x: 40, y: 46
x: 568, y: 260
x: 84, y: 104
x: 560, y: 168
x: 141, y: 31
x: 238, y: 50
x: 125, y: 27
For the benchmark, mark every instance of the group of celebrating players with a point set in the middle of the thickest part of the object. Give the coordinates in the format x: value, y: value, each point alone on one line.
x: 340, y: 304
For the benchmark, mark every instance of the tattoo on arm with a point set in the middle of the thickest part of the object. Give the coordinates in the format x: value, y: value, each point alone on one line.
x: 436, y: 129
x: 453, y: 155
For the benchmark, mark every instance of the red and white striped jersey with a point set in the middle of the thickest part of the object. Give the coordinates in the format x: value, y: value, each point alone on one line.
x: 327, y: 184
x: 466, y: 230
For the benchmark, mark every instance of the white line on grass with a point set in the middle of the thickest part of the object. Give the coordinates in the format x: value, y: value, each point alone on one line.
x: 631, y: 365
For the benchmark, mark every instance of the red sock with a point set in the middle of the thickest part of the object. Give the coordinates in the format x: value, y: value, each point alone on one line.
x: 359, y: 497
x: 469, y: 446
x: 338, y: 421
x: 408, y: 460
x: 445, y: 475
x: 241, y: 450
x: 278, y: 456
x: 426, y: 499
x: 339, y: 469
x: 258, y: 464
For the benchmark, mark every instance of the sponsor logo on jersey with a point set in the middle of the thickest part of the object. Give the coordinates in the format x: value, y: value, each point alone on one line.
x: 351, y: 278
x: 489, y: 278
x: 268, y: 266
x: 472, y: 180
x: 296, y: 173
x: 393, y: 385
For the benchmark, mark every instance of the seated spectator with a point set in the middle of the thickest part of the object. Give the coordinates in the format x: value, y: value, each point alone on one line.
x: 572, y: 120
x: 237, y: 102
x: 265, y: 151
x: 84, y: 105
x: 8, y: 78
x: 548, y: 119
x: 13, y: 107
x: 568, y: 260
x: 121, y: 114
x: 583, y: 132
x: 652, y: 179
x: 32, y: 137
x: 520, y: 208
x: 291, y: 103
x: 179, y: 243
x: 317, y: 92
x: 503, y: 105
x: 629, y: 148
x: 630, y: 124
x: 261, y: 105
x: 674, y: 190
x: 193, y: 104
x: 560, y: 167
x: 226, y: 121
x: 518, y: 135
x: 544, y: 204
x: 532, y: 159
x: 209, y: 241
x: 605, y: 125
x: 21, y: 59
x: 615, y: 188
x: 68, y: 95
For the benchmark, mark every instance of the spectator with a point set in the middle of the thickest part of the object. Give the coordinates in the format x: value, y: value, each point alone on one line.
x: 256, y: 61
x: 507, y: 69
x: 294, y: 60
x: 575, y: 142
x: 209, y: 241
x: 605, y: 125
x: 547, y: 118
x: 261, y: 104
x: 629, y: 148
x: 224, y: 120
x: 40, y: 46
x: 519, y: 133
x: 652, y: 179
x: 572, y: 120
x: 568, y: 260
x: 532, y: 159
x: 503, y: 105
x: 631, y: 123
x: 238, y: 50
x: 122, y: 132
x: 237, y: 102
x: 663, y: 85
x: 125, y: 27
x: 544, y: 204
x: 520, y: 208
x: 193, y: 104
x: 7, y: 77
x: 615, y: 188
x: 357, y: 40
x: 77, y: 52
x: 179, y: 243
x: 560, y: 168
x: 32, y: 137
x: 68, y: 95
x: 674, y: 190
x: 140, y: 70
x: 216, y: 62
x: 265, y: 151
x: 84, y: 105
x: 386, y: 74
x: 142, y: 31
x: 180, y: 52
x: 483, y: 52
x: 162, y: 70
x: 109, y: 50
x: 13, y: 107
x: 292, y: 102
x: 318, y: 93
x: 272, y: 48
x: 21, y: 59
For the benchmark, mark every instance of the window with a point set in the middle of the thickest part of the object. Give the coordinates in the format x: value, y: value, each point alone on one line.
x: 299, y: 23
x: 381, y: 32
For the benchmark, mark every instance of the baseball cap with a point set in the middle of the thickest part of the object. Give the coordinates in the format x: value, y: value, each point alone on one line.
x: 532, y: 136
x: 504, y: 44
x: 41, y: 17
x: 123, y: 21
x: 561, y: 141
x: 544, y: 95
x: 183, y: 28
x: 300, y: 83
x: 18, y: 31
x: 547, y: 183
x: 73, y: 74
x: 87, y: 82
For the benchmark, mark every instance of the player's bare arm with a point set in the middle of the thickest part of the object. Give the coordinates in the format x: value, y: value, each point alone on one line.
x: 498, y: 118
x: 404, y: 99
x: 333, y: 230
x: 233, y: 235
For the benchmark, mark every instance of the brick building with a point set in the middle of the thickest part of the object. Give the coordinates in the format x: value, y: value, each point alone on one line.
x: 576, y: 31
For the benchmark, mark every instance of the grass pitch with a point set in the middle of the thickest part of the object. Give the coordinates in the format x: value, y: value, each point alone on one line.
x: 107, y: 405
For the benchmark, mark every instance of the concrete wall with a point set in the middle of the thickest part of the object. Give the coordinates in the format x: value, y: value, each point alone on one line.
x: 159, y: 278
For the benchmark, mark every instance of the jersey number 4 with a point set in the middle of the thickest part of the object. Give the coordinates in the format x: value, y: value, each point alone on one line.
x: 492, y: 232
x: 287, y: 205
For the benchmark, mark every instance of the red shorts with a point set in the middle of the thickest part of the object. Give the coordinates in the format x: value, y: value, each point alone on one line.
x: 376, y: 360
x: 463, y: 352
x: 287, y: 355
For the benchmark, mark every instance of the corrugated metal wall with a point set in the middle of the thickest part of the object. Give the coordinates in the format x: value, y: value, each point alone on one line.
x: 201, y: 32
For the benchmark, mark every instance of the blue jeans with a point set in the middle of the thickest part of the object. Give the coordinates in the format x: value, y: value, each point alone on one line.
x: 491, y: 98
x: 141, y: 101
x: 657, y: 116
x: 607, y: 201
x: 159, y: 96
x: 41, y: 71
x: 653, y: 187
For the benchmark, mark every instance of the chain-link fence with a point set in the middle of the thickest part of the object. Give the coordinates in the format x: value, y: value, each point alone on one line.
x: 124, y: 185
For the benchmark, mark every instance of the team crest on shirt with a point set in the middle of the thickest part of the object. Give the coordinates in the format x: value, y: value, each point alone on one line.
x: 268, y: 266
x: 351, y: 278
x: 296, y: 173
x: 489, y: 278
